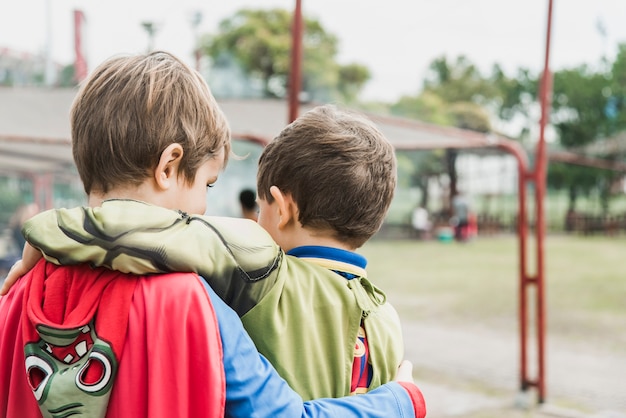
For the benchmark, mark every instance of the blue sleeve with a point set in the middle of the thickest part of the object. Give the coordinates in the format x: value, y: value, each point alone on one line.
x: 254, y: 388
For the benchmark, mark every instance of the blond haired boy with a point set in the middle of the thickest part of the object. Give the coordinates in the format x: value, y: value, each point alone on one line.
x: 147, y: 137
x: 324, y: 186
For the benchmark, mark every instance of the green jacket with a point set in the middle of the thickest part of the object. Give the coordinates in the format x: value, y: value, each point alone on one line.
x: 303, y: 317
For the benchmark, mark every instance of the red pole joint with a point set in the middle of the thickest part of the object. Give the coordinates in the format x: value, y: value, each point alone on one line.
x: 295, y: 75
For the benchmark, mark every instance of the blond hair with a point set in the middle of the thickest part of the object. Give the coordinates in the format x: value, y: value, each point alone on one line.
x: 131, y: 108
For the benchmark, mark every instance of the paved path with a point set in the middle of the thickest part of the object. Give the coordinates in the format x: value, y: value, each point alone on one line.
x: 471, y: 371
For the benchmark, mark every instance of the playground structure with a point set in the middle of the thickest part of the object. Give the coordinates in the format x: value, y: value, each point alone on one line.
x: 529, y: 278
x: 526, y: 176
x: 35, y: 144
x: 43, y: 155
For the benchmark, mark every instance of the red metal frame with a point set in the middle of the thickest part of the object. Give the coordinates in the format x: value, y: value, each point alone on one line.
x: 526, y: 281
x: 42, y: 191
x: 295, y: 74
x: 525, y: 177
x: 539, y: 178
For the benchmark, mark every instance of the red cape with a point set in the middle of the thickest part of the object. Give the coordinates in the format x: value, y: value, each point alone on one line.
x: 163, y: 330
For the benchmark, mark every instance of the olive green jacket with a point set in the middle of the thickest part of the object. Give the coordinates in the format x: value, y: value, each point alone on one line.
x: 303, y: 317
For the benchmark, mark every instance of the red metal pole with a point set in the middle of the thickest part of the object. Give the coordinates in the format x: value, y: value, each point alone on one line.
x: 80, y: 62
x: 540, y: 190
x: 518, y: 152
x: 538, y: 176
x: 197, y: 55
x: 296, y: 63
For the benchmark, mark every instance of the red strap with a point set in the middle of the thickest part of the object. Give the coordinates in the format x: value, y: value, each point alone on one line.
x: 416, y: 398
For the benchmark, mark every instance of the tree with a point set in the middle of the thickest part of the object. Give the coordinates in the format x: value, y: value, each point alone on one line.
x: 427, y: 107
x: 420, y: 166
x: 260, y: 42
x: 579, y: 105
x: 352, y: 78
x: 458, y: 81
x: 66, y: 76
x: 515, y: 100
x: 151, y: 29
x: 615, y: 109
x: 578, y: 181
x: 587, y: 108
x: 468, y: 115
x: 464, y: 93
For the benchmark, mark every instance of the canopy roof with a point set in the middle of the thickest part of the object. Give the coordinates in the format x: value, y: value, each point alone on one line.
x: 35, y: 130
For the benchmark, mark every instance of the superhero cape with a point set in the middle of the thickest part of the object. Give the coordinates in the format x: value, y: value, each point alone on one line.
x: 70, y: 330
x: 74, y: 332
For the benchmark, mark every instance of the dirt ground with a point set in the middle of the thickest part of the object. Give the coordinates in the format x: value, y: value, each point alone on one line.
x: 473, y: 372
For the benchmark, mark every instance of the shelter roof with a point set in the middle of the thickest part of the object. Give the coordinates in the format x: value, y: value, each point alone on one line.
x: 612, y: 146
x: 35, y: 130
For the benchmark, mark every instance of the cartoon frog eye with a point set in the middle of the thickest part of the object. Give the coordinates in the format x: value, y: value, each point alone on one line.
x: 95, y: 374
x: 38, y: 372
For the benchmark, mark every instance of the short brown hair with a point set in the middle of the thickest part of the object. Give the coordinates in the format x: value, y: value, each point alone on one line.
x: 131, y: 108
x: 339, y: 169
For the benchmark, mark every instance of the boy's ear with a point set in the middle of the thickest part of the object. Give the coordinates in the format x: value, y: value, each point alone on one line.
x: 287, y: 209
x: 166, y: 171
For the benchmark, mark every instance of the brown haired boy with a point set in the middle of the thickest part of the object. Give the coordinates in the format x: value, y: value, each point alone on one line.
x: 324, y: 185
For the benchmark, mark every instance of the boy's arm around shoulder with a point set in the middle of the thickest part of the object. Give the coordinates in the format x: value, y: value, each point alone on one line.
x: 236, y: 256
x: 30, y: 256
x: 254, y: 388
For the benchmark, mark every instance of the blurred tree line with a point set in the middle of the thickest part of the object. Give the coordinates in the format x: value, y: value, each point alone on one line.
x: 259, y: 43
x: 588, y: 102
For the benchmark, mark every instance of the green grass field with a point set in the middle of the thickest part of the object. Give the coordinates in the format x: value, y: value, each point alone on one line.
x: 478, y: 281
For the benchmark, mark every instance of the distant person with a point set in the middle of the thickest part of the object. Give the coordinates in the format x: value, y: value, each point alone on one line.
x: 325, y: 184
x: 16, y: 240
x: 463, y: 221
x: 21, y: 215
x: 420, y: 222
x: 249, y: 208
x: 571, y: 218
x: 79, y: 339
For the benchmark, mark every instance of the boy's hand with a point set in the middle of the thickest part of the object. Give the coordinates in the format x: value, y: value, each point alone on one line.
x: 404, y: 377
x: 405, y: 372
x: 30, y: 256
x: 17, y: 271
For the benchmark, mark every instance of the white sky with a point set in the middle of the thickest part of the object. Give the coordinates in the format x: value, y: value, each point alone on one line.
x: 396, y: 39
